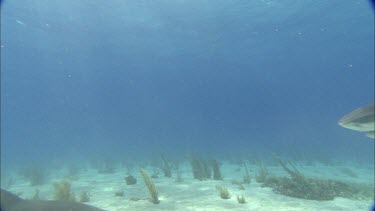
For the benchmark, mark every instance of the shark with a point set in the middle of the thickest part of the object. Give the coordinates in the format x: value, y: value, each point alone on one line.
x: 11, y: 202
x: 361, y: 119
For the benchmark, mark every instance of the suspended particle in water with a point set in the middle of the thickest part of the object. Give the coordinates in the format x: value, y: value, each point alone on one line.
x: 20, y: 22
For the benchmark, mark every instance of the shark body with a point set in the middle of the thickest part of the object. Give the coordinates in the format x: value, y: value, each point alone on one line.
x: 361, y: 119
x: 11, y: 202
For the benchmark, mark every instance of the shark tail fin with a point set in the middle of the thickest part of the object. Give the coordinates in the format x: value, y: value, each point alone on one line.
x: 8, y: 200
x: 371, y: 134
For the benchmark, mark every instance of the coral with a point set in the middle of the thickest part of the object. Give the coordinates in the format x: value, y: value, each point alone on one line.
x: 130, y: 180
x: 201, y: 169
x: 119, y: 193
x: 150, y: 186
x: 223, y: 191
x: 166, y: 167
x: 239, y: 183
x: 315, y: 189
x: 241, y: 200
x: 179, y: 176
x: 247, y: 177
x: 349, y: 172
x: 84, y: 197
x: 298, y: 186
x: 129, y: 167
x: 35, y: 174
x: 262, y: 173
x: 36, y: 195
x: 294, y: 174
x: 216, y: 170
x: 73, y: 171
x: 9, y: 182
x: 62, y: 191
x: 107, y: 167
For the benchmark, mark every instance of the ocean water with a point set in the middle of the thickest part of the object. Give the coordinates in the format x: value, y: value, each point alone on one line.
x: 232, y: 80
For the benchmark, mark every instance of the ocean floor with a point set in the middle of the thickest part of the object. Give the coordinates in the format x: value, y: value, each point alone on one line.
x: 183, y: 192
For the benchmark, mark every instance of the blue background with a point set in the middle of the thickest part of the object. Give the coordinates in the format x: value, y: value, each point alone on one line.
x: 132, y: 78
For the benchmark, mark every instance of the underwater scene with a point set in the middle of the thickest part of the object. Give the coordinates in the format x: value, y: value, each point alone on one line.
x: 187, y: 105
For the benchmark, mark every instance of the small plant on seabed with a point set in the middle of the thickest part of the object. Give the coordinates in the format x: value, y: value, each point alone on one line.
x: 216, y: 170
x: 241, y: 199
x: 35, y: 174
x: 201, y: 170
x: 62, y: 191
x: 9, y: 182
x: 223, y: 191
x: 73, y: 171
x: 239, y: 183
x: 166, y: 167
x: 179, y: 176
x: 107, y: 167
x: 36, y: 195
x: 262, y: 173
x: 150, y: 186
x: 84, y: 197
x: 130, y: 180
x: 247, y: 177
x: 119, y: 193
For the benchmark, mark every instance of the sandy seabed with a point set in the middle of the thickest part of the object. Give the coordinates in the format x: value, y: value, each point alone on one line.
x: 192, y: 194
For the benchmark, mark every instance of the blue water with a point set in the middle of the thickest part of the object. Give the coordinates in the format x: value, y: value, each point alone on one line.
x: 224, y: 77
